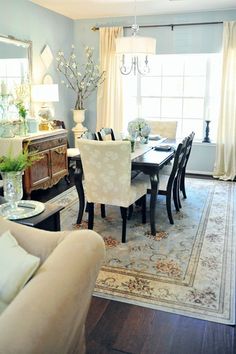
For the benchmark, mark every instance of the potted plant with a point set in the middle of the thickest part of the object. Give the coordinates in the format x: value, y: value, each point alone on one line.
x: 11, y: 169
x: 82, y: 79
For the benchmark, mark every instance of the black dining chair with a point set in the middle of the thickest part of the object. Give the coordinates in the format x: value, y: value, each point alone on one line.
x: 179, y: 184
x: 168, y: 183
x: 188, y: 152
x: 89, y: 135
x: 106, y: 134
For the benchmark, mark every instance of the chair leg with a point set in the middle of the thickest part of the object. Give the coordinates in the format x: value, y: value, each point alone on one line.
x: 144, y: 209
x: 103, y: 211
x: 124, y: 221
x: 177, y: 191
x: 168, y: 207
x: 67, y: 178
x: 138, y: 202
x: 182, y: 184
x: 90, y: 207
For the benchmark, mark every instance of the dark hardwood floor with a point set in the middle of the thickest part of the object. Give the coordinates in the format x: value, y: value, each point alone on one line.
x: 116, y: 327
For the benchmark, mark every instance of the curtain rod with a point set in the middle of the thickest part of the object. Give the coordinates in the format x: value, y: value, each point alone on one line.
x: 170, y: 25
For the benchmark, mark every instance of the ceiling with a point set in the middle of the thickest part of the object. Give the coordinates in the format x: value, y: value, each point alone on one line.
x: 82, y: 9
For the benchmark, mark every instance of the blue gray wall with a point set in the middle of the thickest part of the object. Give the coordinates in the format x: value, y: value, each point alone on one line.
x: 27, y: 21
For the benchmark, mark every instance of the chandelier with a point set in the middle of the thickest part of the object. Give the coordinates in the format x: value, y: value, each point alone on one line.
x: 137, y: 47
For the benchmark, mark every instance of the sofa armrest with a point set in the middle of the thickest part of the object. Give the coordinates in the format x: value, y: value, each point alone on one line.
x: 35, y: 241
x: 48, y: 315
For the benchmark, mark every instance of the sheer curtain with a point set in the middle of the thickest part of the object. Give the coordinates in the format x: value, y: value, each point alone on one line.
x: 225, y: 165
x: 109, y: 97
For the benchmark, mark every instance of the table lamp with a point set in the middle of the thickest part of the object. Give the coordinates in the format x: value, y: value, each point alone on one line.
x: 45, y: 94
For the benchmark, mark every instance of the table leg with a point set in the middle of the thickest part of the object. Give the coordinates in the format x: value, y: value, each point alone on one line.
x: 80, y: 190
x: 57, y: 222
x: 154, y: 191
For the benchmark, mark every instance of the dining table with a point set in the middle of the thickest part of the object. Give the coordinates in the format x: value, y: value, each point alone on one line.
x: 147, y: 158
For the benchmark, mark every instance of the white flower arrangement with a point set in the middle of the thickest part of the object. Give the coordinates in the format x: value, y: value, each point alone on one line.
x: 139, y: 127
x: 83, y: 79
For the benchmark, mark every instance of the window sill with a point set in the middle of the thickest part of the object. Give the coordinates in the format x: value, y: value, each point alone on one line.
x: 198, y: 142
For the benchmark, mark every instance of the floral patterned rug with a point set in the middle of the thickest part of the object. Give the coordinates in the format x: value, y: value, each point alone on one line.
x: 188, y: 268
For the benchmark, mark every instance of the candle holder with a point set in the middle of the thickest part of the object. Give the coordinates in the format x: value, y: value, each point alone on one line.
x: 206, y: 138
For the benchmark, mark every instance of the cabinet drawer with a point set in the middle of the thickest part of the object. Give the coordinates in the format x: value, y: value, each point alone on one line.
x: 37, y: 146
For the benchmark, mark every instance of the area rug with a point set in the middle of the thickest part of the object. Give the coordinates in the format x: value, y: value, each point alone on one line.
x: 188, y: 268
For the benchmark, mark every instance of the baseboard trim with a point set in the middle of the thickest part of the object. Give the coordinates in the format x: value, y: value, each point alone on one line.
x: 200, y: 176
x: 203, y: 173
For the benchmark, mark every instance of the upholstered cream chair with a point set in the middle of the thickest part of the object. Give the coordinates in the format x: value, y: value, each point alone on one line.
x: 164, y: 128
x: 107, y: 178
x: 48, y: 315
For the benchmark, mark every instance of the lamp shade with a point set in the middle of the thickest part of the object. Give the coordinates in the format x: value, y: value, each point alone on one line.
x: 135, y: 45
x: 44, y: 93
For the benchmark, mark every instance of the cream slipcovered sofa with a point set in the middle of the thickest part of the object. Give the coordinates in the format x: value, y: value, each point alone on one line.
x: 48, y: 314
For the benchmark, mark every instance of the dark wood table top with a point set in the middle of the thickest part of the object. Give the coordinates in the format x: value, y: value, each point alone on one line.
x: 50, y: 210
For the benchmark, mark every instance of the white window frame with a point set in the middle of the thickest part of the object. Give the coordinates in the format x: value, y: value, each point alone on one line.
x: 207, y: 115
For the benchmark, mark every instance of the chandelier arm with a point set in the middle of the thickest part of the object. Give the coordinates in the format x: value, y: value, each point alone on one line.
x: 123, y: 68
x: 146, y: 66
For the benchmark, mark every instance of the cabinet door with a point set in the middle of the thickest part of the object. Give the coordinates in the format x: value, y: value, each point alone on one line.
x: 59, y: 161
x: 39, y: 173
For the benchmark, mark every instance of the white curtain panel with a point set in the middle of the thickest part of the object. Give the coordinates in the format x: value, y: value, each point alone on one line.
x: 109, y: 96
x: 225, y: 165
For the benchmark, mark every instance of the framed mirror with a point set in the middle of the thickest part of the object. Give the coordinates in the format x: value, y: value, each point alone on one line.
x: 15, y: 76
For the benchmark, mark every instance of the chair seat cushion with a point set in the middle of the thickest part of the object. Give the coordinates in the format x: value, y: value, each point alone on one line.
x: 71, y: 152
x: 16, y: 267
x: 137, y: 189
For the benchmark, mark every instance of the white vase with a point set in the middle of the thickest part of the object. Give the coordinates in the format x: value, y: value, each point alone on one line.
x: 79, y: 129
x: 79, y: 116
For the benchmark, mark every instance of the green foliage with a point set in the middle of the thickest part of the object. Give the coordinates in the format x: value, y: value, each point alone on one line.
x: 21, y: 109
x: 18, y: 163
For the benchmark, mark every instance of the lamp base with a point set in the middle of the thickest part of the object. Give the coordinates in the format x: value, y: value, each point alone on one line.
x: 45, y: 113
x: 44, y: 126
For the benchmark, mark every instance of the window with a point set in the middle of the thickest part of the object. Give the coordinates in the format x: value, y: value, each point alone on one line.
x: 182, y: 87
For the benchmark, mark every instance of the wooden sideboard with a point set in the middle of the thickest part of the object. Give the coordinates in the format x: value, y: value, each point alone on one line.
x: 53, y: 164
